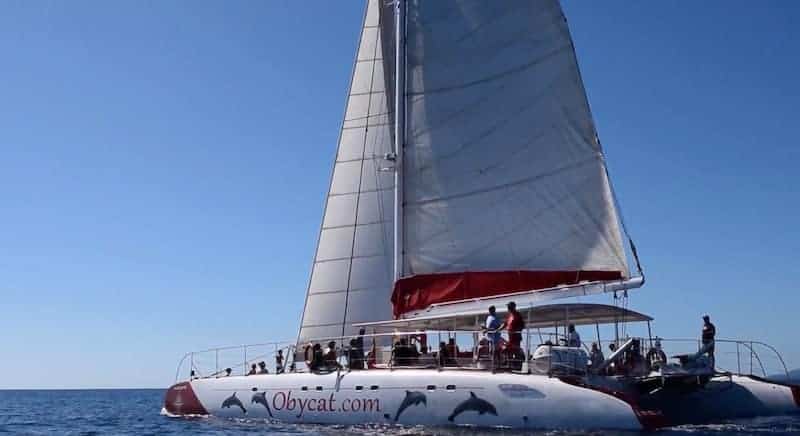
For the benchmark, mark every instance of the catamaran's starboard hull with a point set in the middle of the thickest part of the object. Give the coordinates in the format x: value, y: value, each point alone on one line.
x: 415, y: 397
x: 723, y: 398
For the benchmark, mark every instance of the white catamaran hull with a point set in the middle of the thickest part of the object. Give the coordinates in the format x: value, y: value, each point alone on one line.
x: 454, y: 397
x: 407, y: 397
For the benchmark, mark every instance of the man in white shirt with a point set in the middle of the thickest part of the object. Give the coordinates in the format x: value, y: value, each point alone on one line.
x: 492, y: 332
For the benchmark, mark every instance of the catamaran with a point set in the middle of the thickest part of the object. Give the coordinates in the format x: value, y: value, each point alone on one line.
x: 469, y: 174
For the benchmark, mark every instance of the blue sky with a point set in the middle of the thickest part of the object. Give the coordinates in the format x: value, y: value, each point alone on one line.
x: 163, y: 167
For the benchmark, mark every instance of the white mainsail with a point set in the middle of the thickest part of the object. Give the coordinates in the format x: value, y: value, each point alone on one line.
x: 351, y: 279
x: 504, y: 185
x: 503, y: 170
x: 503, y: 181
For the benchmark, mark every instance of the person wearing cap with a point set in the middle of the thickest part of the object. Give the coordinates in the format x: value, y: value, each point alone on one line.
x: 707, y: 338
x: 262, y: 367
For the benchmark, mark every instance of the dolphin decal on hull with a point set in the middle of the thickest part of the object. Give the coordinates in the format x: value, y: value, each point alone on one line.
x: 261, y: 398
x: 412, y: 398
x: 233, y: 401
x: 475, y: 404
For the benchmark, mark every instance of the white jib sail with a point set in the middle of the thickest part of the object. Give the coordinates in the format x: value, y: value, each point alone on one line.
x: 351, y: 278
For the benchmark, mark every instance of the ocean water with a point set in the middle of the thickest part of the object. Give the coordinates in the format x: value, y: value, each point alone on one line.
x: 137, y: 412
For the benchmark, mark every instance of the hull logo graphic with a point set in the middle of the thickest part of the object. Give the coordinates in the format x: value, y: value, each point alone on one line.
x: 474, y: 404
x: 233, y: 401
x: 261, y: 398
x: 412, y: 398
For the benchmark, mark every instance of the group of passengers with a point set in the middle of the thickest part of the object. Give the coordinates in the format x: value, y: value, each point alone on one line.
x: 503, y: 353
x: 328, y: 360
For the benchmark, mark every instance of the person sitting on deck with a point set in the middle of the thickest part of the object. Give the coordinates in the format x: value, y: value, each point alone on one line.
x: 404, y: 354
x: 313, y: 357
x: 596, y: 356
x: 355, y: 355
x: 656, y: 357
x: 445, y: 359
x: 633, y: 362
x: 262, y: 368
x: 573, y: 338
x: 612, y: 368
x: 279, y: 362
x: 252, y: 370
x: 331, y: 360
x: 228, y: 372
x: 452, y: 348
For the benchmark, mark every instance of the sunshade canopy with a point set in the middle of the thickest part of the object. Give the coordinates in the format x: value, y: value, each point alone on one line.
x: 535, y: 317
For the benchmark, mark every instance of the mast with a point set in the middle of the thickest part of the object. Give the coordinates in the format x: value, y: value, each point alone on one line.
x: 399, y: 133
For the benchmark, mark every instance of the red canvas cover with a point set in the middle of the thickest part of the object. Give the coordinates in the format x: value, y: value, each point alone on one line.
x: 420, y: 291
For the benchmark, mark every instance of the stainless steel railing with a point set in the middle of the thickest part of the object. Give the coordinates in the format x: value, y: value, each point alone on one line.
x: 742, y: 357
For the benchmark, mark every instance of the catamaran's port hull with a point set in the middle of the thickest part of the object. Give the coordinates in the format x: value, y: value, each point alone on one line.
x: 453, y: 397
x: 425, y: 397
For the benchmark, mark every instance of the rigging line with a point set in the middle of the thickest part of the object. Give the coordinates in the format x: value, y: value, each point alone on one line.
x: 379, y: 199
x: 496, y: 76
x: 358, y: 196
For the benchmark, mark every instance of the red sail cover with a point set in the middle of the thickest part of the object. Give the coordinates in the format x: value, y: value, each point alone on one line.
x: 420, y: 291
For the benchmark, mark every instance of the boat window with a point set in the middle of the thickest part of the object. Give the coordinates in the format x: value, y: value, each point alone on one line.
x: 451, y: 387
x: 319, y: 388
x: 359, y: 387
x: 304, y: 388
x: 374, y: 387
x: 255, y: 389
x: 431, y: 387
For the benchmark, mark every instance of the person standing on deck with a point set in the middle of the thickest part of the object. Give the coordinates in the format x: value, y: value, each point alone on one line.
x: 279, y: 362
x: 707, y: 338
x: 492, y: 333
x: 514, y: 324
x: 573, y: 338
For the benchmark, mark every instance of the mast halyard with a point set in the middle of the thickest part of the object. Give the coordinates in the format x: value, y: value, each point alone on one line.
x: 399, y: 133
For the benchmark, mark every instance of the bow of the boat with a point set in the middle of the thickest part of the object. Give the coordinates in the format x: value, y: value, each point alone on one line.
x: 181, y: 400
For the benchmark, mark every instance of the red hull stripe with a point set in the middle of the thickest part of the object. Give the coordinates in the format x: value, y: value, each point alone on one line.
x: 181, y: 400
x: 420, y: 291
